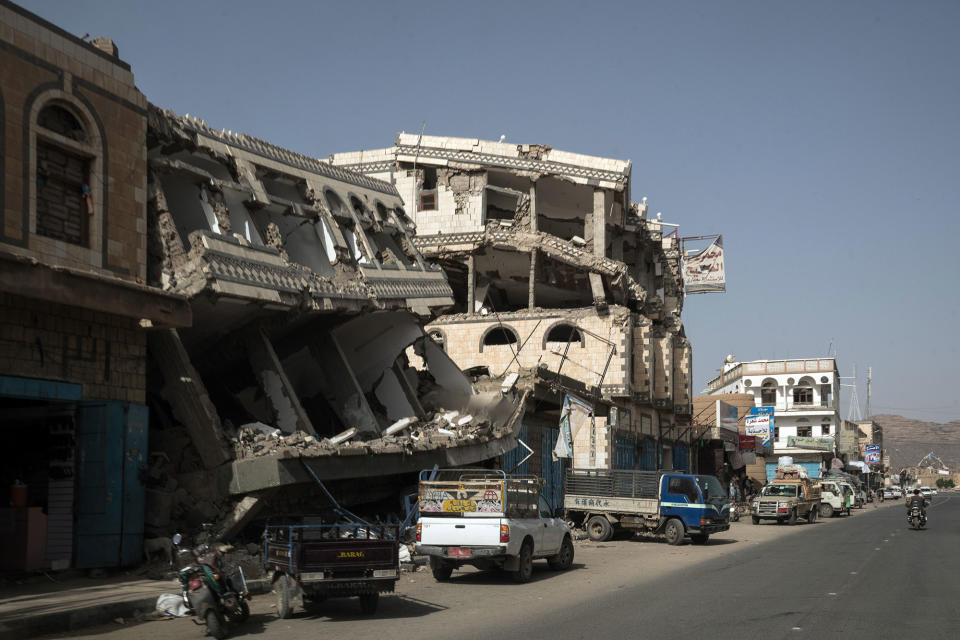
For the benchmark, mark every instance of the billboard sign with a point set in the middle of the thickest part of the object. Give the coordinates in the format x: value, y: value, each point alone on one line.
x: 704, y: 271
x: 726, y: 416
x: 871, y: 454
x: 763, y: 416
x: 748, y: 443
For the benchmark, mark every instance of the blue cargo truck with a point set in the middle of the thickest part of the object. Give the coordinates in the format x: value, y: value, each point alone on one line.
x: 675, y: 505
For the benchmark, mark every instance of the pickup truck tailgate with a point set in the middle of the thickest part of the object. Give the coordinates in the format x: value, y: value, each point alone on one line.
x: 462, y: 532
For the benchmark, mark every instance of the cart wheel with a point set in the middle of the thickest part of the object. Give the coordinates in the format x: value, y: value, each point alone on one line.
x: 283, y: 588
x: 368, y: 603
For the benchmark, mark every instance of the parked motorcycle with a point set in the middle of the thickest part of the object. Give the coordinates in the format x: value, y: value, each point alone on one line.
x: 212, y: 596
x: 916, y: 518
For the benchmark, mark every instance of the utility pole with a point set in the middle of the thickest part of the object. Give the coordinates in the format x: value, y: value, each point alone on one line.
x: 869, y: 379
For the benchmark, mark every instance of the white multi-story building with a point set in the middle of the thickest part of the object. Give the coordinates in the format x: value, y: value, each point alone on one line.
x: 805, y: 396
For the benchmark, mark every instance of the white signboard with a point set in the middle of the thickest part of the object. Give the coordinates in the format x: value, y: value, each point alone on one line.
x: 758, y: 425
x: 704, y: 272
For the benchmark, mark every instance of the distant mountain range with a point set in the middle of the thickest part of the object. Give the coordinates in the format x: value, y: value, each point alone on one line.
x: 908, y: 440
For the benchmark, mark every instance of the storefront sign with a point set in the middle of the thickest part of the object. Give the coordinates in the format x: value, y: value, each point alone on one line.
x: 872, y: 454
x: 805, y: 442
x: 763, y: 412
x: 748, y: 443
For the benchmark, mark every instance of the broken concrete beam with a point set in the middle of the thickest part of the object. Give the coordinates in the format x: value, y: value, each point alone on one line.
x: 289, y: 415
x: 185, y: 392
x: 242, y: 513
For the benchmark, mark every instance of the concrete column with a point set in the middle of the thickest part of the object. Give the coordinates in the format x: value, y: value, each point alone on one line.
x: 288, y: 413
x: 532, y: 285
x: 599, y: 222
x: 188, y: 398
x: 471, y: 284
x: 533, y: 207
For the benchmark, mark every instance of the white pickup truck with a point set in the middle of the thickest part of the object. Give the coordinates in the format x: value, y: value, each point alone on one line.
x: 489, y: 520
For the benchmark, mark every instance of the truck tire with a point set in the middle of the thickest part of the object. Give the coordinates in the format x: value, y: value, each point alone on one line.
x: 792, y: 518
x: 564, y: 557
x: 699, y: 538
x: 440, y: 569
x: 673, y: 531
x: 826, y: 510
x: 812, y: 516
x: 524, y: 564
x: 283, y: 587
x: 368, y: 603
x: 599, y: 529
x: 756, y: 519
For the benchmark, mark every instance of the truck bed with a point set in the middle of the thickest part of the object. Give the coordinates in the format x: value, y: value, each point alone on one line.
x: 333, y: 553
x: 612, y: 483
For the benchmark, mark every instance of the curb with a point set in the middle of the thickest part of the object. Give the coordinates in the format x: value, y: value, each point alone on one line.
x: 89, y: 616
x: 73, y: 619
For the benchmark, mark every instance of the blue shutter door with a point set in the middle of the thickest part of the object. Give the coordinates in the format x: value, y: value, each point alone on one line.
x: 623, y: 458
x: 514, y: 456
x: 552, y: 469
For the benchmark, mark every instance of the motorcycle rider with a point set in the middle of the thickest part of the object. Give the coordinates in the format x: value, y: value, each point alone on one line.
x: 920, y: 500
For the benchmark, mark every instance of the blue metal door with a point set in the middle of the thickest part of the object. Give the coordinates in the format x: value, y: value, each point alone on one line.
x: 623, y: 458
x: 112, y: 452
x: 681, y: 458
x: 648, y: 455
x: 552, y: 469
x: 513, y: 457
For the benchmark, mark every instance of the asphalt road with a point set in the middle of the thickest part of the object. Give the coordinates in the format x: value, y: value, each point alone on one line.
x: 866, y: 576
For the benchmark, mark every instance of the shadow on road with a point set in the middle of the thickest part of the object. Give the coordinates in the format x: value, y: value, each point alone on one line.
x: 254, y: 625
x: 348, y: 609
x: 499, y: 578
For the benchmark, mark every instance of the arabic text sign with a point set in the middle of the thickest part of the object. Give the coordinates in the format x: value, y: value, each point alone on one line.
x: 809, y: 442
x: 704, y: 272
x: 871, y: 453
x: 757, y: 425
x: 748, y: 443
x: 768, y: 437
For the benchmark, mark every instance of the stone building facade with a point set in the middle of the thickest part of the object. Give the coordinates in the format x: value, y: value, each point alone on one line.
x: 74, y: 305
x: 558, y: 278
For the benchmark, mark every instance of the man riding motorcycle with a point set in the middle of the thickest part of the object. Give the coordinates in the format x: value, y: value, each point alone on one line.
x: 920, y: 500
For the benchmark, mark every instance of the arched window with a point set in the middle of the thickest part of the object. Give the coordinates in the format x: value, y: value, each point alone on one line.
x: 768, y: 393
x: 803, y: 392
x: 563, y: 333
x: 335, y: 204
x: 497, y: 336
x: 358, y: 207
x: 66, y: 161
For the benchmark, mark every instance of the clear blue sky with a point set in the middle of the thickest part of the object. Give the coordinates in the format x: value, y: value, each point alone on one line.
x: 820, y: 138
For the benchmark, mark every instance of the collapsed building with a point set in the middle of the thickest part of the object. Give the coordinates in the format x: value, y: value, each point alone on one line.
x: 307, y: 358
x: 559, y: 279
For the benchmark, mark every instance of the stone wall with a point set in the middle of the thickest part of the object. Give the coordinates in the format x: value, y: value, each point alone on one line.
x: 103, y: 352
x: 40, y: 65
x: 462, y: 336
